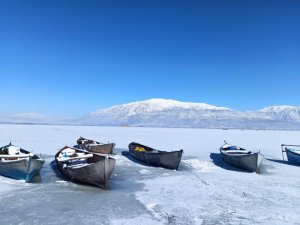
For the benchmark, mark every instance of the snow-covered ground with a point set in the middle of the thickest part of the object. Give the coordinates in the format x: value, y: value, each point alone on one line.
x: 203, y: 191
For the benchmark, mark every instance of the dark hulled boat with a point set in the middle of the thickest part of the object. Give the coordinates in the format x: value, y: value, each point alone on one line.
x: 86, y: 167
x: 151, y: 156
x: 95, y: 146
x: 18, y: 163
x: 241, y: 158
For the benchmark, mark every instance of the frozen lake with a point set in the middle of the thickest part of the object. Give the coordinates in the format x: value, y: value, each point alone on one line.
x: 203, y: 191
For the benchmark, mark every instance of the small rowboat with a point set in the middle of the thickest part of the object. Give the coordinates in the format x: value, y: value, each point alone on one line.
x: 151, y: 156
x: 241, y: 158
x: 18, y: 163
x: 82, y: 166
x: 95, y: 146
x: 292, y: 153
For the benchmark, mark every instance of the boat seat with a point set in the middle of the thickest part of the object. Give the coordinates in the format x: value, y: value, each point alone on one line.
x: 79, y: 165
x: 238, y: 152
x: 64, y: 159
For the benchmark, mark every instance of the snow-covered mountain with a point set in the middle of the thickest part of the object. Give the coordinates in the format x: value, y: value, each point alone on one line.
x: 171, y: 113
x: 283, y: 113
x: 154, y: 112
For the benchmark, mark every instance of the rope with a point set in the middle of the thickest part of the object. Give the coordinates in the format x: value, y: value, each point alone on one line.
x: 202, y: 181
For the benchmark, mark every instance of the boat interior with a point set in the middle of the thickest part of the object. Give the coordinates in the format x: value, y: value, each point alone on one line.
x: 74, y: 158
x: 143, y: 148
x: 14, y: 153
x: 232, y: 150
x: 84, y: 141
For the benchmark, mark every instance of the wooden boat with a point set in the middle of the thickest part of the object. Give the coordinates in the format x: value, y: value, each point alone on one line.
x: 241, y: 158
x: 95, y: 146
x: 168, y: 160
x: 18, y: 163
x: 81, y: 166
x: 292, y: 153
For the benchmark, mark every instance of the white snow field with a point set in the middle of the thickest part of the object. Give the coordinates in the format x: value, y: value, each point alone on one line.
x: 203, y: 191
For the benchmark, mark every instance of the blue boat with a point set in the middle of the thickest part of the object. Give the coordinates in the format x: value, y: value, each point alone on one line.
x: 18, y: 163
x: 292, y: 153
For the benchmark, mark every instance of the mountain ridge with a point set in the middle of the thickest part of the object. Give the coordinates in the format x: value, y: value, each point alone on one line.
x: 158, y: 112
x: 172, y: 113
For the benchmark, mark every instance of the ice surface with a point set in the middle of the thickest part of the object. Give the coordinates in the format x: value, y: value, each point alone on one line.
x: 203, y: 191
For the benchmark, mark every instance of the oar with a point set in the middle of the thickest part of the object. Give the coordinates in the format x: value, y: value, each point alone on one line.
x: 15, y: 156
x: 28, y: 169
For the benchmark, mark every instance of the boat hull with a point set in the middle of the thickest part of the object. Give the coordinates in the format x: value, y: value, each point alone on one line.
x: 21, y: 169
x: 292, y: 156
x: 101, y: 148
x: 250, y: 162
x: 97, y: 172
x: 95, y: 146
x: 168, y: 160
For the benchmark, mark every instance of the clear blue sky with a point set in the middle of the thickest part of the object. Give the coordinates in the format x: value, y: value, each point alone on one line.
x: 73, y: 57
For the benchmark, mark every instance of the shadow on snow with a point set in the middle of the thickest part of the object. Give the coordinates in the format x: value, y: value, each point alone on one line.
x: 283, y: 162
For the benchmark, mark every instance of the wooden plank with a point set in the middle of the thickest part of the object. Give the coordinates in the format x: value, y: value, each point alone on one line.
x: 95, y: 153
x: 74, y: 158
x: 15, y: 156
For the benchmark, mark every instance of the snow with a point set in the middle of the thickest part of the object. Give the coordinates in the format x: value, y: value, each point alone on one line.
x: 283, y: 113
x: 278, y: 108
x: 204, y: 190
x: 7, y: 185
x: 13, y: 150
x: 157, y: 104
x: 161, y: 104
